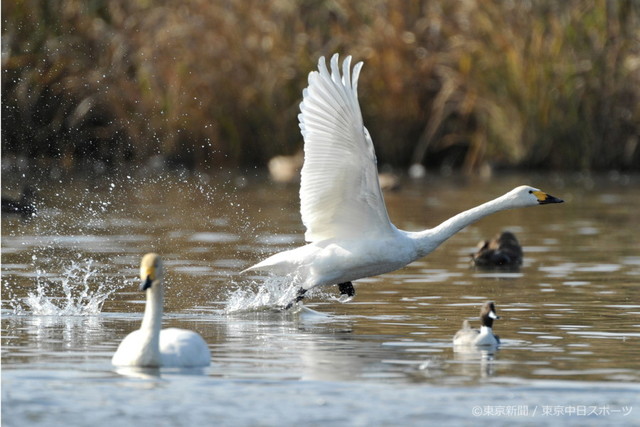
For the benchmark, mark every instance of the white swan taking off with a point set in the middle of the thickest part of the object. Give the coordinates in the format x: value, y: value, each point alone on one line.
x: 152, y: 347
x: 341, y: 203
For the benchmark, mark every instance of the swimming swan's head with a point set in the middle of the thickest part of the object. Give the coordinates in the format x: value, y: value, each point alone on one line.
x: 150, y: 270
x: 528, y: 196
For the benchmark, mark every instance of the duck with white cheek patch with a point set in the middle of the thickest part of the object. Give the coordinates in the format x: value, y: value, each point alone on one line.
x: 467, y: 337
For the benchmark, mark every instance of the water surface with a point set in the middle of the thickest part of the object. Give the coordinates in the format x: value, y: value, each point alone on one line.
x: 570, y: 325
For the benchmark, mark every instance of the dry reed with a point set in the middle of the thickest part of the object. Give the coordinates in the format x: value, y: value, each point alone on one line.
x: 541, y: 84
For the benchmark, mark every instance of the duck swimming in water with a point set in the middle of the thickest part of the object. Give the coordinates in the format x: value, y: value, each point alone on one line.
x: 347, y: 226
x: 24, y: 206
x: 483, y: 337
x: 503, y: 251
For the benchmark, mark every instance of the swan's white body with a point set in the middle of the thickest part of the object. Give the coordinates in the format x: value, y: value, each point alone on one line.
x: 151, y: 346
x: 341, y: 203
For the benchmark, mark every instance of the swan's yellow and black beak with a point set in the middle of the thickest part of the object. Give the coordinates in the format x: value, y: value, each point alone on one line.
x: 150, y: 268
x: 544, y: 198
x: 146, y: 283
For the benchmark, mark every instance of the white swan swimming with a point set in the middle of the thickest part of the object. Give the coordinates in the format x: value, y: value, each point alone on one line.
x: 483, y: 337
x: 152, y: 347
x: 341, y: 203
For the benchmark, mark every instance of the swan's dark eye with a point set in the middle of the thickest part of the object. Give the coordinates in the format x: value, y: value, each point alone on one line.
x: 530, y: 191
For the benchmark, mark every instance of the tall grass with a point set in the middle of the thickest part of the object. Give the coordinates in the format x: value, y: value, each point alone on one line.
x: 446, y: 82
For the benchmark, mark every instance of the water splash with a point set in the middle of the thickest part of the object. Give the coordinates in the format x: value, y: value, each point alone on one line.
x: 273, y: 293
x: 81, y: 290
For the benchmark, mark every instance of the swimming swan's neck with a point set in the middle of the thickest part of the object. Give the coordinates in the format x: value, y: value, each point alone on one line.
x: 152, y: 320
x: 428, y: 240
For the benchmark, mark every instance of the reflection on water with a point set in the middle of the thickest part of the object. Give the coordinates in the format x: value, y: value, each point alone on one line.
x: 570, y: 314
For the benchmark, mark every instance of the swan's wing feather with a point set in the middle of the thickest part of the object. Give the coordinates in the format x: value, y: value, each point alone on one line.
x: 340, y: 195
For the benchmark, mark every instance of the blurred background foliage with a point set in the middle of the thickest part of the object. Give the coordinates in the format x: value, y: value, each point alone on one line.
x: 207, y: 84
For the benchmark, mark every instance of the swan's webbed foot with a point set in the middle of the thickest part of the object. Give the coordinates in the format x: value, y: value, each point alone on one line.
x: 297, y: 299
x: 347, y: 289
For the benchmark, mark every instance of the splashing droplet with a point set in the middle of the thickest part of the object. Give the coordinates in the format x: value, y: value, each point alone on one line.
x: 81, y: 290
x: 274, y: 293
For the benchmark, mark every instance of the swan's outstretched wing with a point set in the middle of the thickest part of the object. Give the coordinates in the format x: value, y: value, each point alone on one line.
x: 340, y: 196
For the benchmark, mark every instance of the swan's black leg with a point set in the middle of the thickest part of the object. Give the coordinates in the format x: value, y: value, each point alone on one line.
x: 347, y: 289
x: 298, y: 298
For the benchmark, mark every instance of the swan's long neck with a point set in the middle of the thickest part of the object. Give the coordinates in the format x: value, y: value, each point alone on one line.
x: 152, y: 322
x: 428, y: 240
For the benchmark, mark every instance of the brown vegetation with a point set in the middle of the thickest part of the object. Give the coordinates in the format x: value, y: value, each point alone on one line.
x: 206, y: 83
